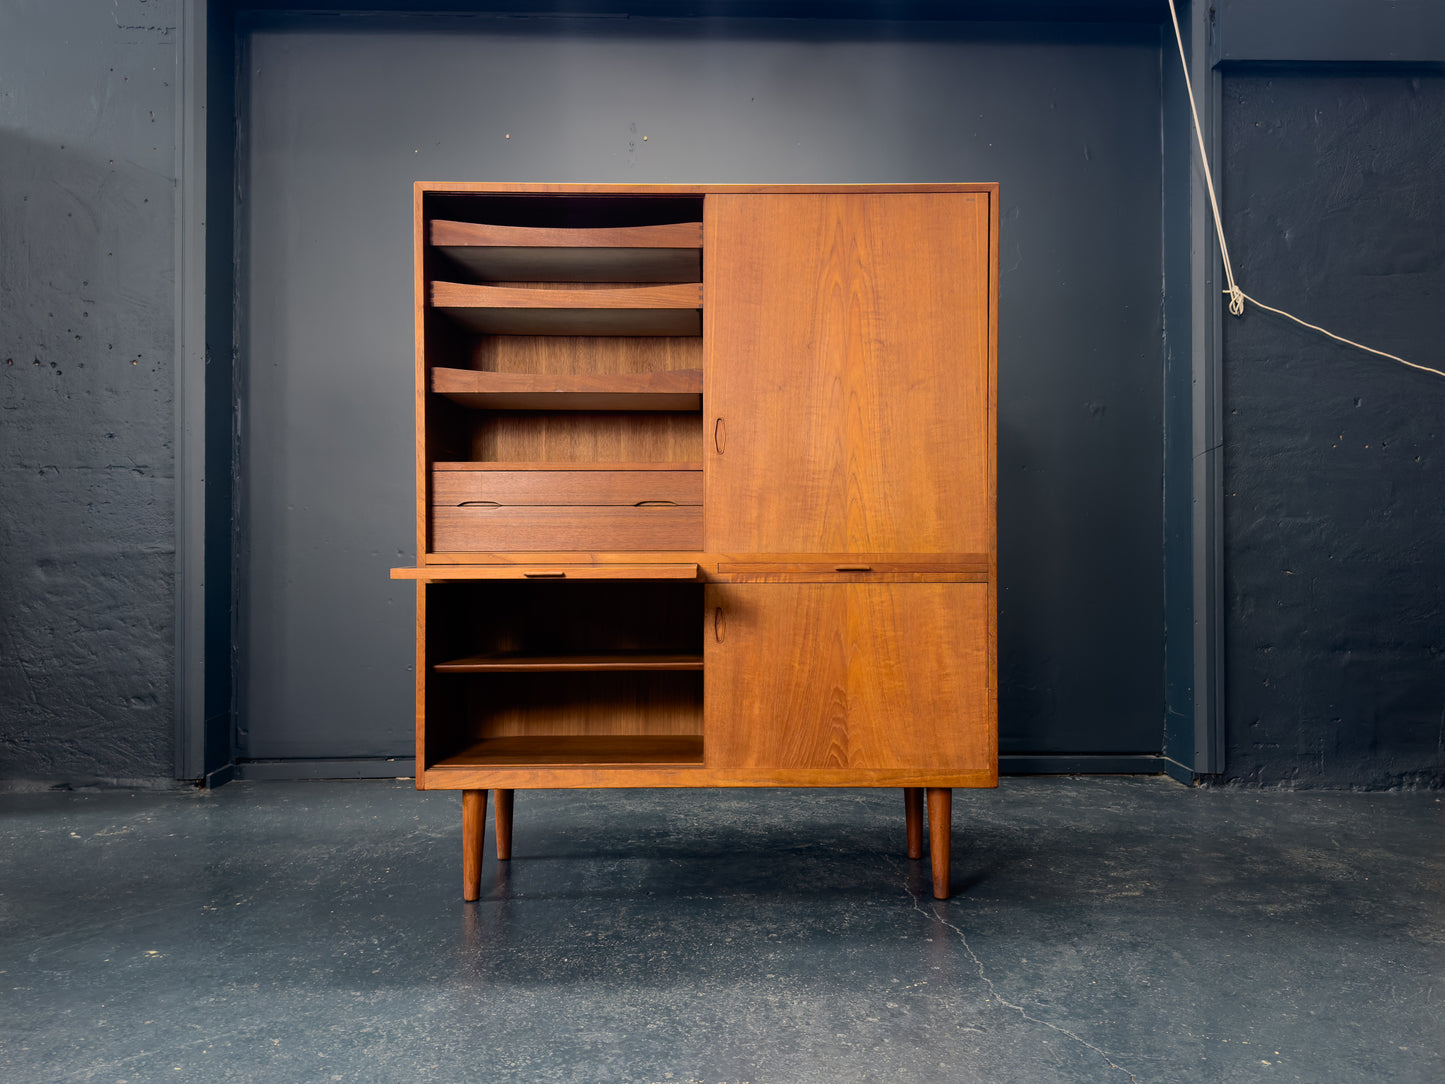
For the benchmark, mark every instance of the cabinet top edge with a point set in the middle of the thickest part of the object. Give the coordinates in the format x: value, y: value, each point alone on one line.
x: 622, y: 189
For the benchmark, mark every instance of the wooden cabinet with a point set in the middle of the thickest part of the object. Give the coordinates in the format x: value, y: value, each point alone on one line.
x: 706, y: 494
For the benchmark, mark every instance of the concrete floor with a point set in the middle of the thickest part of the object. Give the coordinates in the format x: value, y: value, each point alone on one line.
x: 1103, y: 929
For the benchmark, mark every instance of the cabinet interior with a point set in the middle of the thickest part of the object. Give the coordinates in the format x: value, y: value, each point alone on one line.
x: 563, y: 672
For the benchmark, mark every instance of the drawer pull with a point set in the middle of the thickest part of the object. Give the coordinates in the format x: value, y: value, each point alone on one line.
x: 719, y: 625
x: 853, y: 568
x: 544, y: 575
x: 655, y: 504
x: 479, y: 504
x: 720, y: 435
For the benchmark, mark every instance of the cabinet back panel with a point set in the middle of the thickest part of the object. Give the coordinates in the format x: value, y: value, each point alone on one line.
x: 519, y: 705
x: 577, y: 437
x: 559, y: 355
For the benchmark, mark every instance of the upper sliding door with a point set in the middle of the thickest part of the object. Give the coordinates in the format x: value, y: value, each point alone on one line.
x: 846, y: 339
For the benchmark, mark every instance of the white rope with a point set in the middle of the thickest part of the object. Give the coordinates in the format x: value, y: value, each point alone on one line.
x: 1238, y: 297
x: 1331, y: 334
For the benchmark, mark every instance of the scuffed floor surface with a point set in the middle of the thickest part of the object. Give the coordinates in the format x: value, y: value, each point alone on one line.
x: 1103, y: 929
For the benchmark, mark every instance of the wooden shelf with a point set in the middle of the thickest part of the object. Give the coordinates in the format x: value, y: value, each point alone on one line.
x: 677, y: 390
x: 517, y: 310
x: 600, y: 751
x: 451, y: 573
x: 494, y: 464
x: 667, y: 253
x: 612, y: 661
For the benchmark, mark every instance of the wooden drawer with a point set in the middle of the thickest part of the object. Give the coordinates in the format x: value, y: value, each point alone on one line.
x: 519, y: 510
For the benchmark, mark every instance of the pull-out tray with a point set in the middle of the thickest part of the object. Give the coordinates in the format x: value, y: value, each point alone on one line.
x: 591, y: 510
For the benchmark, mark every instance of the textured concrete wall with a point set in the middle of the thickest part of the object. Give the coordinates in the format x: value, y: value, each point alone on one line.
x: 87, y: 181
x: 1335, y: 459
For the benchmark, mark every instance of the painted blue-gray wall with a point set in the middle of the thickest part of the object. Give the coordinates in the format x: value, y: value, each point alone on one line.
x: 1066, y: 118
x: 87, y: 184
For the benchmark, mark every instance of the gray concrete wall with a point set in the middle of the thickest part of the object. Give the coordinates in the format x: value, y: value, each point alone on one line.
x: 1335, y: 459
x: 87, y: 183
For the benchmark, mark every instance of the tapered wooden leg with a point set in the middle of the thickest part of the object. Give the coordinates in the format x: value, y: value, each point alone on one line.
x: 940, y: 833
x: 474, y: 819
x: 913, y: 814
x: 503, y: 814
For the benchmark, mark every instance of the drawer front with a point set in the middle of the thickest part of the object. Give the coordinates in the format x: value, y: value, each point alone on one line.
x: 486, y: 510
x: 627, y: 488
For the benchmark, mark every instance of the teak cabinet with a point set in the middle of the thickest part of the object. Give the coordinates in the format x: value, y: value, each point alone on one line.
x: 706, y: 492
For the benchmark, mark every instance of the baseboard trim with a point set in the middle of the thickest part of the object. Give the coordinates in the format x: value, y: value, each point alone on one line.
x: 334, y: 768
x: 1084, y: 764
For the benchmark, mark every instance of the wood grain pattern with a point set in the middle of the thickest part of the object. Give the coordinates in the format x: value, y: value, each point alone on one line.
x: 861, y: 563
x: 513, y: 571
x: 623, y: 775
x: 586, y: 437
x: 675, y: 390
x: 627, y: 488
x: 578, y: 527
x: 474, y: 820
x: 667, y: 235
x: 661, y: 253
x: 533, y: 467
x: 846, y: 352
x: 585, y: 704
x: 850, y: 577
x: 940, y: 838
x: 582, y: 355
x: 462, y: 295
x: 866, y: 676
x: 499, y: 310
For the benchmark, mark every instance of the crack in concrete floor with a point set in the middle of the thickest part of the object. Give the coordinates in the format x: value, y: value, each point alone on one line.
x: 934, y: 916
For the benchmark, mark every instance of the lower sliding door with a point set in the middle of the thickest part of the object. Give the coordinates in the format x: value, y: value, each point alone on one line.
x: 848, y: 675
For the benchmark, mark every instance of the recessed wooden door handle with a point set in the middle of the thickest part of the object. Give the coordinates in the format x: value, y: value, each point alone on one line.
x: 720, y: 435
x: 544, y: 575
x: 852, y: 568
x: 479, y: 504
x: 719, y: 624
x: 655, y: 504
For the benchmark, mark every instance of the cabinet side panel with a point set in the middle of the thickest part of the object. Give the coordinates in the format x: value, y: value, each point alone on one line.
x: 847, y: 350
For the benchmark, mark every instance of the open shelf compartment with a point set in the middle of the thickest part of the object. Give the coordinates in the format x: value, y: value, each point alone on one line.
x: 589, y: 674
